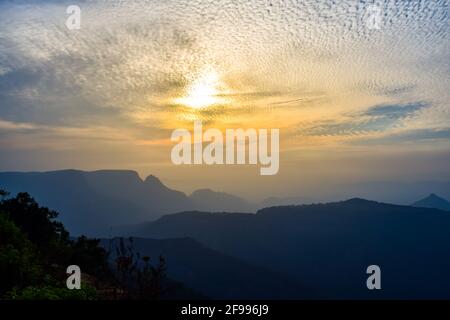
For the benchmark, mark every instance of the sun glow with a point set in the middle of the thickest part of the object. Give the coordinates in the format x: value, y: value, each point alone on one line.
x: 203, y: 92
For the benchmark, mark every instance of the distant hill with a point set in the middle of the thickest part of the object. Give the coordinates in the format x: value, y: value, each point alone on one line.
x: 398, y: 192
x: 92, y: 202
x: 209, y: 200
x: 217, y: 275
x: 433, y: 201
x: 284, y: 201
x: 329, y: 246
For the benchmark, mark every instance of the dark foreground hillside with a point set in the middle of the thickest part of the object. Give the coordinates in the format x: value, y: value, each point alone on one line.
x: 36, y: 249
x: 217, y: 275
x: 329, y: 246
x: 290, y: 252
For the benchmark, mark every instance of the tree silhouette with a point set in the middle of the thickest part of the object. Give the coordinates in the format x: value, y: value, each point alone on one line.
x: 137, y: 277
x: 35, y: 251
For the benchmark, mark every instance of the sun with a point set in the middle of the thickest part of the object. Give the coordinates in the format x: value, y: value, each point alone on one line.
x: 203, y: 92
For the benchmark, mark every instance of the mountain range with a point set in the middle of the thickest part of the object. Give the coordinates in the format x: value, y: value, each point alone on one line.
x: 287, y: 251
x: 94, y: 202
x: 328, y: 247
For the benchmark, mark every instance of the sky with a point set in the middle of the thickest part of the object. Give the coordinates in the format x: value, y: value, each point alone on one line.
x: 354, y: 101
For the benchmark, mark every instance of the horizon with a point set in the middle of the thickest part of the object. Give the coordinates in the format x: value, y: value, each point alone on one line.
x: 325, y: 197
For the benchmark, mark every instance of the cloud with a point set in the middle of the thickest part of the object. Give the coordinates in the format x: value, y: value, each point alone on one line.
x: 395, y: 111
x: 131, y: 58
x: 420, y: 135
x: 378, y: 118
x: 12, y: 126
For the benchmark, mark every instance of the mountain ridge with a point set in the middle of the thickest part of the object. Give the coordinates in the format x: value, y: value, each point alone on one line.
x: 329, y: 246
x: 93, y: 202
x: 215, y: 274
x: 433, y: 201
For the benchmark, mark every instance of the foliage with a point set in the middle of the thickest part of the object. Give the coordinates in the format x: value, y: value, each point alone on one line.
x: 35, y: 221
x: 18, y: 256
x: 135, y: 273
x: 87, y: 253
x: 52, y: 293
x: 35, y: 251
x: 151, y: 279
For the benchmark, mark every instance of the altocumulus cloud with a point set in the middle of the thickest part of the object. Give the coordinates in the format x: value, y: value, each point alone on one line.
x: 378, y: 118
x: 130, y: 56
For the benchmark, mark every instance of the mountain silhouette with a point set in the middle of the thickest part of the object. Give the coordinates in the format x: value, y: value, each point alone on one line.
x: 329, y: 246
x: 433, y: 201
x: 209, y: 200
x: 284, y: 201
x: 324, y: 247
x: 92, y: 202
x: 398, y: 192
